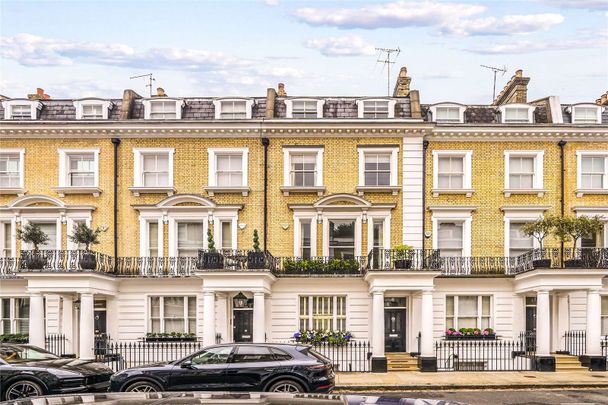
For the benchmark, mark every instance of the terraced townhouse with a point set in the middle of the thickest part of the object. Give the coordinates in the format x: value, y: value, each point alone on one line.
x: 333, y: 186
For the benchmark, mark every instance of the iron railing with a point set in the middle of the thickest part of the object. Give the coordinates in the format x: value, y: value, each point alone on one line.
x: 529, y: 339
x: 403, y: 260
x: 320, y: 265
x: 575, y: 342
x: 65, y: 260
x: 155, y: 266
x: 9, y: 266
x: 121, y: 355
x: 354, y: 356
x: 483, y: 355
x: 55, y: 344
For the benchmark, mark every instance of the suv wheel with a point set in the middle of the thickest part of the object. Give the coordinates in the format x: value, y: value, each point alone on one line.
x: 142, y: 386
x: 22, y: 389
x: 288, y: 386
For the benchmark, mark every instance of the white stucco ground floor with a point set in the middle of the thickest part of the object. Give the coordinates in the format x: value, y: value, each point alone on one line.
x: 394, y: 311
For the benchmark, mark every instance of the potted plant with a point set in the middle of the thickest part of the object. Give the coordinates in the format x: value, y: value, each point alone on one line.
x: 470, y: 334
x: 83, y: 235
x: 539, y: 230
x: 574, y: 228
x: 212, y: 259
x: 403, y: 256
x: 256, y: 258
x: 32, y: 233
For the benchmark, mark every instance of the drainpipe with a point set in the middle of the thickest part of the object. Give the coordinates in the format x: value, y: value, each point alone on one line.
x: 561, y: 145
x: 425, y: 146
x: 115, y: 142
x: 265, y: 142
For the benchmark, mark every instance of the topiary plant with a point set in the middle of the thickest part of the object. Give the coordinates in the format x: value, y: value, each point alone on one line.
x: 82, y: 234
x: 210, y: 242
x: 256, y: 241
x: 32, y: 233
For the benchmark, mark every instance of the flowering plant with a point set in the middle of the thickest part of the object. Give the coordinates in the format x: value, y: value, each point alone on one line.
x: 334, y: 337
x: 469, y: 332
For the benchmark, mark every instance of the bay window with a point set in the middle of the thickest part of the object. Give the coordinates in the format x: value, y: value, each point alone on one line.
x: 323, y: 313
x: 468, y: 311
x: 172, y: 314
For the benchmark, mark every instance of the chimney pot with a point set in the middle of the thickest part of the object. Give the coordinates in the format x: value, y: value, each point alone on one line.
x: 281, y: 92
x: 39, y: 95
x: 160, y: 92
x: 519, y: 73
x: 402, y: 85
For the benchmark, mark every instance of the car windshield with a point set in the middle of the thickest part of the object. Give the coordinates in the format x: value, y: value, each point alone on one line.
x: 17, y: 354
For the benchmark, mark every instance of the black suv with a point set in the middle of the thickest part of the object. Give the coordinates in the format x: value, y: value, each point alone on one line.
x: 234, y: 367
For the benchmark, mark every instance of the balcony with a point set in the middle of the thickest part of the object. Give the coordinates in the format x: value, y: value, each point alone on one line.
x: 320, y: 265
x: 56, y: 261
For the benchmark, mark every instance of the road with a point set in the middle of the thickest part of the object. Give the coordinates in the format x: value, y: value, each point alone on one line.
x: 510, y: 397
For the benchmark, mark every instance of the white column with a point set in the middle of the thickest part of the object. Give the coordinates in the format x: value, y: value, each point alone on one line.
x: 594, y: 314
x: 519, y: 315
x: 378, y: 324
x: 87, y: 326
x: 222, y: 316
x: 543, y: 323
x: 259, y: 315
x: 37, y: 331
x: 67, y: 322
x: 563, y: 319
x: 208, y: 318
x: 426, y: 323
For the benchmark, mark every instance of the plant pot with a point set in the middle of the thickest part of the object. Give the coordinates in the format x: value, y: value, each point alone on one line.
x: 212, y: 260
x: 403, y: 264
x: 541, y: 263
x: 256, y: 260
x: 491, y: 336
x: 35, y: 261
x: 88, y: 261
x: 573, y: 263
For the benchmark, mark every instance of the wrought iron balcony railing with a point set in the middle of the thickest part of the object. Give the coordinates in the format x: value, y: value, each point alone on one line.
x: 412, y: 259
x: 61, y: 260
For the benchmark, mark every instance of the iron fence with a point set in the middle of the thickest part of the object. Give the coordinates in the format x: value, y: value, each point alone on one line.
x: 9, y: 266
x: 121, y: 355
x: 55, y: 344
x: 529, y: 339
x: 354, y: 356
x: 156, y: 266
x: 483, y: 355
x: 575, y: 342
x: 394, y: 259
x: 65, y: 260
x: 484, y: 265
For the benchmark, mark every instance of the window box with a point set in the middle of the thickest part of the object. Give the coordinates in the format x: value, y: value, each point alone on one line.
x: 333, y: 338
x: 170, y: 337
x: 470, y: 334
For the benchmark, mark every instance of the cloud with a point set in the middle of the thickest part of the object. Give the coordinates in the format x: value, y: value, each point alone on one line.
x: 521, y: 47
x: 582, y: 4
x: 271, y: 2
x: 350, y: 45
x: 449, y: 18
x: 33, y: 50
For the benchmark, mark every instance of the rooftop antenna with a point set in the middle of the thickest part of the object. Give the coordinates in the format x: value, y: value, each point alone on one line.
x: 388, y: 62
x: 150, y: 80
x: 495, y: 70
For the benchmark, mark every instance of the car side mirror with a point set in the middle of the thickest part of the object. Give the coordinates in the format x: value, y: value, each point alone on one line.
x: 186, y: 364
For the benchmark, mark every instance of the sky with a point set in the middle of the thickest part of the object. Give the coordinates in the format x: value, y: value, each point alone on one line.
x: 83, y: 48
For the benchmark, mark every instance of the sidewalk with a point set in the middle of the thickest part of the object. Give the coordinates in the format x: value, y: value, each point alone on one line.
x: 415, y: 380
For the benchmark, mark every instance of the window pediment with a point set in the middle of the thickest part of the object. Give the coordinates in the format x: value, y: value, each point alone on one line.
x: 342, y: 200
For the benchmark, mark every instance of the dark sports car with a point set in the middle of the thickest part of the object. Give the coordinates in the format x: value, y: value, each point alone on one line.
x: 29, y: 371
x: 234, y: 367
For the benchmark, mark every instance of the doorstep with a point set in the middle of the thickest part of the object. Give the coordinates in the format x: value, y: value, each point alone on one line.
x: 415, y: 380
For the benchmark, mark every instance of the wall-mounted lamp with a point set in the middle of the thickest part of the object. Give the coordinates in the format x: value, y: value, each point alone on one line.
x: 239, y: 300
x: 242, y: 225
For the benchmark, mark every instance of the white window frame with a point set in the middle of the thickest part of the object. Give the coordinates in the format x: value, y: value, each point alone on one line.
x: 394, y: 167
x: 217, y: 231
x: 217, y: 103
x: 71, y: 221
x: 144, y: 235
x: 289, y: 107
x: 603, y: 315
x: 503, y: 112
x: 361, y: 107
x: 598, y: 112
x: 8, y: 105
x: 106, y: 105
x: 385, y: 220
x: 45, y: 219
x: 138, y: 164
x: 467, y: 156
x: 538, y: 179
x: 21, y: 152
x: 12, y: 319
x: 147, y: 103
x: 461, y: 108
x: 580, y: 154
x: 520, y: 214
x: 480, y: 316
x: 356, y: 217
x: 161, y: 313
x: 174, y: 220
x: 13, y: 237
x: 288, y: 152
x: 213, y: 187
x: 310, y: 300
x: 297, y: 233
x: 64, y: 167
x: 453, y: 214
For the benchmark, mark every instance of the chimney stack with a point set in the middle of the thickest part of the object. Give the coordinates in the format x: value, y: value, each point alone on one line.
x: 39, y: 95
x: 515, y: 91
x: 126, y: 108
x: 271, y: 96
x: 281, y: 92
x: 402, y: 85
x: 603, y: 100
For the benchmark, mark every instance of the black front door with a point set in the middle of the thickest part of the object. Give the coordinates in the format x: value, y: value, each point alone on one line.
x: 394, y: 330
x: 530, y: 334
x: 243, y: 325
x: 100, y: 323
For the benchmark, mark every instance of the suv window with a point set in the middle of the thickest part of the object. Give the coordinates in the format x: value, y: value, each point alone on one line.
x: 280, y: 355
x: 252, y: 354
x: 214, y: 355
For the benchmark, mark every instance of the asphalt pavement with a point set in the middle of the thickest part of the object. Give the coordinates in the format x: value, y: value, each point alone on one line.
x: 506, y: 397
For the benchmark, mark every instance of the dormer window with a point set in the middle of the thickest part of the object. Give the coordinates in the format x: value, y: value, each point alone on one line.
x: 447, y: 113
x: 304, y: 108
x: 163, y: 108
x: 586, y: 114
x: 92, y: 109
x: 516, y: 113
x: 21, y: 109
x: 233, y: 109
x: 376, y: 108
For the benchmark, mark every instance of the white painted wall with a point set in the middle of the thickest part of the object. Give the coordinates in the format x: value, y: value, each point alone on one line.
x: 412, y: 191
